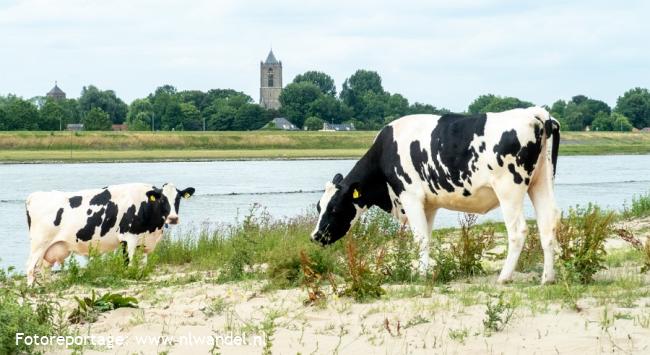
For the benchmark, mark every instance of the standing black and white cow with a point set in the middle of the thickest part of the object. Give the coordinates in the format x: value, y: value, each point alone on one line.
x: 64, y: 222
x: 421, y: 163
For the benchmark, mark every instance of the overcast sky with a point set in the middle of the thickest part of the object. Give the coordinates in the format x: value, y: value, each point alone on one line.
x: 440, y: 52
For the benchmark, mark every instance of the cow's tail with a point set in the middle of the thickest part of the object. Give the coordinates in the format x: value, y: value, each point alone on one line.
x: 552, y: 131
x: 551, y: 128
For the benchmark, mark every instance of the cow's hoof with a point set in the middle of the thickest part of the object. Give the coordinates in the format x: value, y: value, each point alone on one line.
x: 547, y: 280
x: 504, y: 281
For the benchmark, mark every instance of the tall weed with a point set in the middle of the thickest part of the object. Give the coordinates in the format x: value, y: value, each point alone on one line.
x: 581, y: 237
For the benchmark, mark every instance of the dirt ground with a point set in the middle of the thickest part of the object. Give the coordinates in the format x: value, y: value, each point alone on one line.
x: 408, y: 319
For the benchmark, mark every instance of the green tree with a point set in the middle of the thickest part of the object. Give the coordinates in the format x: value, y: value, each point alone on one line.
x: 602, y: 122
x: 573, y: 118
x: 324, y: 82
x: 620, y: 123
x: 224, y: 104
x: 357, y: 85
x: 250, y: 117
x: 635, y: 105
x: 327, y: 108
x: 222, y: 117
x: 558, y: 108
x: 53, y: 117
x: 92, y: 97
x: 97, y: 120
x: 190, y: 117
x: 3, y: 119
x: 166, y: 108
x: 492, y: 103
x: 296, y: 99
x: 397, y: 105
x: 20, y: 114
x: 589, y: 108
x: 140, y: 115
x: 480, y: 103
x: 420, y: 108
x: 374, y: 110
x: 313, y: 123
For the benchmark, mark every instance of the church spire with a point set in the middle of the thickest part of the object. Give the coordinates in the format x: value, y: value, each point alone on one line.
x: 270, y: 59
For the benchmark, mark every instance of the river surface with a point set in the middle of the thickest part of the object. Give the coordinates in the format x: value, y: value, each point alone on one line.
x: 226, y: 190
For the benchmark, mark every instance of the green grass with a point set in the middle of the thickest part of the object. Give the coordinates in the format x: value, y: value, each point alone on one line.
x: 269, y: 252
x: 9, y: 156
x: 147, y: 146
x: 640, y: 207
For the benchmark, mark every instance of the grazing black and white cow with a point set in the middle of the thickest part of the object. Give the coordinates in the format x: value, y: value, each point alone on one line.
x: 420, y: 163
x: 64, y: 222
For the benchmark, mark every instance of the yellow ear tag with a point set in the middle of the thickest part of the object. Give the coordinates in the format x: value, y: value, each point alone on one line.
x: 152, y: 198
x: 356, y: 194
x: 186, y: 195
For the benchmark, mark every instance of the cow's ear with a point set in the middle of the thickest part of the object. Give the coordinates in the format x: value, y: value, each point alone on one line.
x: 187, y: 193
x: 154, y: 195
x: 337, y: 179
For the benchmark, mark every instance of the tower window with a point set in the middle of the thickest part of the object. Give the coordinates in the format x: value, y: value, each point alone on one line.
x: 270, y: 77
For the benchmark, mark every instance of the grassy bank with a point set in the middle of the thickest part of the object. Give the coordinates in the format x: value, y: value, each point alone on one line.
x: 111, y: 146
x: 265, y: 277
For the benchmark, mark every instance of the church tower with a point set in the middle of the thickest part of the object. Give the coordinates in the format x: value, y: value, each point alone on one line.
x: 270, y: 82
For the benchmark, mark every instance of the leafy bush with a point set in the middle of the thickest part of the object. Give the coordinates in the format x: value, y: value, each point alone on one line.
x: 463, y: 255
x: 363, y: 279
x: 21, y: 314
x: 640, y: 207
x: 531, y: 254
x: 106, y: 270
x: 312, y: 281
x: 89, y: 308
x: 644, y: 248
x: 399, y: 259
x: 581, y: 237
x: 497, y: 313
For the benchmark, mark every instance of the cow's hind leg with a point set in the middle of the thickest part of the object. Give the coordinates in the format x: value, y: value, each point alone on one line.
x: 541, y: 195
x: 511, y: 199
x: 33, y: 262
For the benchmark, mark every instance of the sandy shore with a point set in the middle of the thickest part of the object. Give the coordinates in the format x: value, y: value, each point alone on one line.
x: 408, y: 319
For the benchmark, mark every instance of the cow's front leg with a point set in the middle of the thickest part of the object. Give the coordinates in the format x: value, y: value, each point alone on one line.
x: 420, y: 226
x: 131, y: 244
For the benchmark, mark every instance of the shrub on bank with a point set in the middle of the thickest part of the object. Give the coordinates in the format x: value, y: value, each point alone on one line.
x: 581, y: 237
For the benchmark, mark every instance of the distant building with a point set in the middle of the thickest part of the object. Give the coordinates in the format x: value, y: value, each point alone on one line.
x: 338, y: 127
x: 120, y: 127
x: 270, y: 82
x: 283, y: 124
x: 74, y: 127
x: 56, y: 93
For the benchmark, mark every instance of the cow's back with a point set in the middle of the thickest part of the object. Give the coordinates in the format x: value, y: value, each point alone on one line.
x: 85, y: 215
x: 453, y: 160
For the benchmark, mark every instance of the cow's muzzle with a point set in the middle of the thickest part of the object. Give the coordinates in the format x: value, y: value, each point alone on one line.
x: 320, y: 238
x: 172, y: 220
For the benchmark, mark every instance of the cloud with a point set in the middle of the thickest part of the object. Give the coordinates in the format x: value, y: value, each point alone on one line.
x: 443, y: 52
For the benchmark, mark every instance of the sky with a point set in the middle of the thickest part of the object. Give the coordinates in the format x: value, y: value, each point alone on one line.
x: 445, y: 53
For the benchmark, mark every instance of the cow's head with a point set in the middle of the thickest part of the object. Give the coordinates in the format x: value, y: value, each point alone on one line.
x: 168, y: 200
x: 338, y: 209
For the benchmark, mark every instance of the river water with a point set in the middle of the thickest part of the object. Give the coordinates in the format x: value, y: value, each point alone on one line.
x: 226, y: 190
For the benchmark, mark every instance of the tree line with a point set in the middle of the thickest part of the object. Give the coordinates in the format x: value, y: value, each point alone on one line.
x: 308, y: 101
